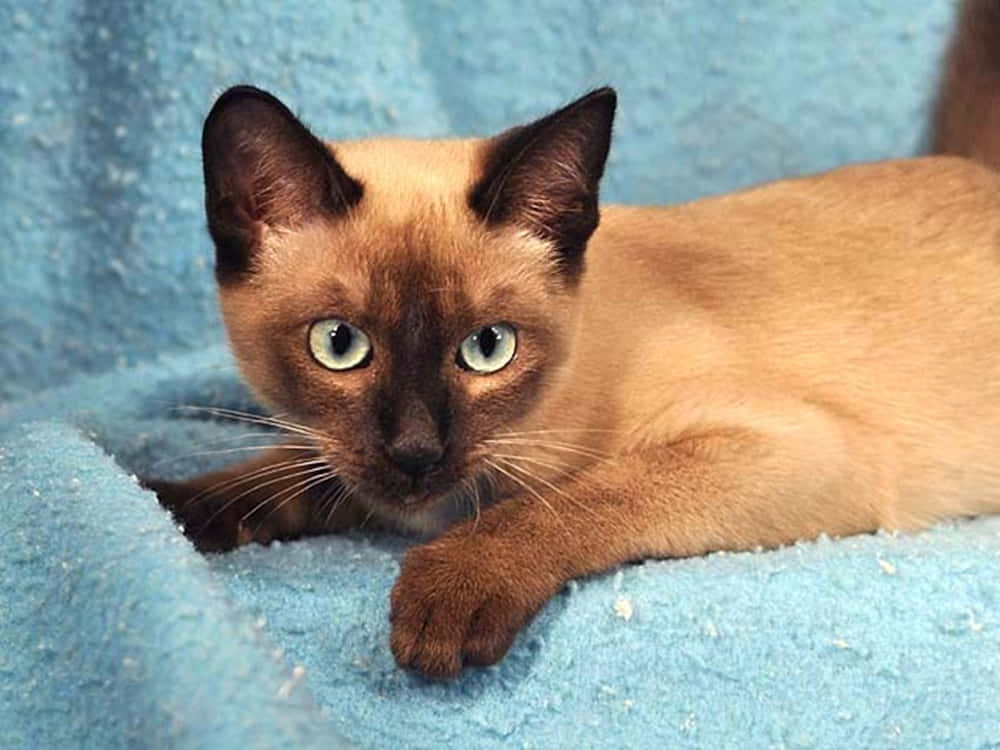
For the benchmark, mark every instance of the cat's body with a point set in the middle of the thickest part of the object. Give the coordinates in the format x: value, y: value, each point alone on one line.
x: 816, y: 355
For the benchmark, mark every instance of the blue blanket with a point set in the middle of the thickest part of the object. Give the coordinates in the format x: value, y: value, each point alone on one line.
x: 114, y: 632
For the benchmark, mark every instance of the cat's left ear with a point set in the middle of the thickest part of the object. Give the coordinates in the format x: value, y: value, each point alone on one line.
x: 264, y: 169
x: 544, y: 176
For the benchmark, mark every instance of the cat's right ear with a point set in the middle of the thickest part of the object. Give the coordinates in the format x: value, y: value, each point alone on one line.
x: 545, y: 176
x: 263, y: 168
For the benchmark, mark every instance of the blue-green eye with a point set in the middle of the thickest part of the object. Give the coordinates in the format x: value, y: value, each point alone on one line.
x: 489, y: 349
x: 338, y: 345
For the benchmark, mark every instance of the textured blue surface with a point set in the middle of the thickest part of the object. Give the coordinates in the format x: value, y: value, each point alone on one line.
x: 116, y: 632
x: 113, y: 632
x: 104, y: 255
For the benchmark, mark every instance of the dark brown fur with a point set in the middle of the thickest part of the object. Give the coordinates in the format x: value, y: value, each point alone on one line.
x: 555, y: 206
x: 271, y: 145
x: 967, y: 113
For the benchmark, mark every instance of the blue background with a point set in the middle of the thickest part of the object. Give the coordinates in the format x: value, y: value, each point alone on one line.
x: 115, y: 633
x: 105, y: 259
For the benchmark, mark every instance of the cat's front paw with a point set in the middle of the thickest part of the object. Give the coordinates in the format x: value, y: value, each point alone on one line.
x: 462, y: 599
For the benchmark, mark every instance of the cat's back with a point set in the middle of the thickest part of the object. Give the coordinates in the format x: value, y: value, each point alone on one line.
x: 871, y: 293
x: 909, y: 244
x: 849, y: 225
x: 861, y: 284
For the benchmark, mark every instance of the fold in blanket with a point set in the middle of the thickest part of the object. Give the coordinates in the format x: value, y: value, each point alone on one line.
x: 115, y: 633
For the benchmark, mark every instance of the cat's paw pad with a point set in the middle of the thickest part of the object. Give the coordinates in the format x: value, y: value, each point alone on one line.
x: 456, y: 604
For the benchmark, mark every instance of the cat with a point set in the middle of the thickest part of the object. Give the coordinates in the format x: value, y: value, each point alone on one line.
x: 465, y: 346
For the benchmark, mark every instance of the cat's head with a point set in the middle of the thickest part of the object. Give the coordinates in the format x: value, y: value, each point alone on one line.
x: 408, y: 299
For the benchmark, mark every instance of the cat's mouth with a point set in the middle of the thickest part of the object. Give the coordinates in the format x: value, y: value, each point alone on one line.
x: 411, y: 493
x: 416, y: 498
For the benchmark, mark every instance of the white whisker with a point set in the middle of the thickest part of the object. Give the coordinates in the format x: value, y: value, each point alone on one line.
x: 230, y: 482
x: 225, y: 506
x: 241, y: 416
x: 525, y: 485
x: 476, y: 503
x: 309, y: 475
x: 305, y: 485
x: 513, y: 465
x: 339, y: 498
x: 552, y: 446
x: 557, y: 430
x: 224, y: 451
x: 563, y: 468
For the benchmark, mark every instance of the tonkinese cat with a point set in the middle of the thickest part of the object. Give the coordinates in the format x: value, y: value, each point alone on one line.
x: 464, y: 346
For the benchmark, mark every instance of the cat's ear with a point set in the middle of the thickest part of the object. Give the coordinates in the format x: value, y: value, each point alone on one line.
x: 263, y: 168
x: 544, y: 176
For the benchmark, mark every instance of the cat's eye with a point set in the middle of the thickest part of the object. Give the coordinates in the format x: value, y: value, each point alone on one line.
x: 338, y: 345
x: 488, y: 349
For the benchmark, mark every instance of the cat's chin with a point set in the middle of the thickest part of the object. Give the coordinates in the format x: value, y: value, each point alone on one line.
x: 422, y: 502
x: 422, y: 517
x: 425, y: 512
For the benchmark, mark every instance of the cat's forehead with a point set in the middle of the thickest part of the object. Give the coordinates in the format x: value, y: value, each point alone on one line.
x: 400, y: 176
x: 438, y: 260
x: 411, y: 242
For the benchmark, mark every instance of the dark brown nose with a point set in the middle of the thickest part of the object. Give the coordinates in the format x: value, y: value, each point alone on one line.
x: 416, y: 445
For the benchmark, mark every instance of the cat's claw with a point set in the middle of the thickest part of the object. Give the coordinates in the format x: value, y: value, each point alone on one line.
x: 458, y: 602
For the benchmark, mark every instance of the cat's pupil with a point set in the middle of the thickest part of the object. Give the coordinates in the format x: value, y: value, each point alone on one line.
x: 488, y: 339
x: 340, y: 340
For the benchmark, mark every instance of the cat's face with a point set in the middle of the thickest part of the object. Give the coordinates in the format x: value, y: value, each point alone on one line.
x: 407, y: 301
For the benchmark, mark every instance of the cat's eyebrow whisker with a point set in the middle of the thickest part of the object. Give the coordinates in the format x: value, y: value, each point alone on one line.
x: 525, y: 485
x: 223, y: 451
x: 282, y: 467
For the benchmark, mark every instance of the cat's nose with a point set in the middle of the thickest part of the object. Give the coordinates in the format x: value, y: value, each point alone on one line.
x: 416, y: 445
x: 414, y: 454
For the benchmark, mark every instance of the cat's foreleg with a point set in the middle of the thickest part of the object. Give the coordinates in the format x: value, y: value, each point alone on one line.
x: 281, y: 494
x: 462, y: 598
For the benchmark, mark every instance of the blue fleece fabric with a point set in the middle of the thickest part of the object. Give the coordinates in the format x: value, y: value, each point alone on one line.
x: 114, y: 632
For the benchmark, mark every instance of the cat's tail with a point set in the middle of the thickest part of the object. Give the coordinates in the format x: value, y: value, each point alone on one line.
x: 966, y: 119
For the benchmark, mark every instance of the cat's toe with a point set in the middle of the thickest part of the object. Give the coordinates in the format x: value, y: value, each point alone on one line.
x: 453, y: 606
